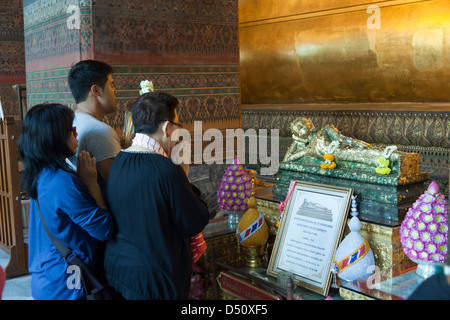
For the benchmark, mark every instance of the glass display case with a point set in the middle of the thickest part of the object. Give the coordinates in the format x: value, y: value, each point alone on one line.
x: 396, y: 283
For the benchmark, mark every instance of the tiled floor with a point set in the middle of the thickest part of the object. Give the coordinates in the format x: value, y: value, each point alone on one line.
x: 18, y: 288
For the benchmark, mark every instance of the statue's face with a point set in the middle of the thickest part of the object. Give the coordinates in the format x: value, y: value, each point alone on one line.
x: 302, y: 128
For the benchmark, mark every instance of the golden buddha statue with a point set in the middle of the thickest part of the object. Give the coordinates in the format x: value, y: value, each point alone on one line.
x: 307, y: 141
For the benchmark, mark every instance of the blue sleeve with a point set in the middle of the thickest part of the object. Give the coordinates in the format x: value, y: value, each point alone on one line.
x: 78, y: 204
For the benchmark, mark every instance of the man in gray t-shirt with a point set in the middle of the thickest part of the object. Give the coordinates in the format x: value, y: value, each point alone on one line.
x: 92, y: 86
x: 95, y: 136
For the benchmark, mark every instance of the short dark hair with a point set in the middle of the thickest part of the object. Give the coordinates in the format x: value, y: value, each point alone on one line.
x: 151, y: 109
x: 43, y: 142
x: 83, y: 75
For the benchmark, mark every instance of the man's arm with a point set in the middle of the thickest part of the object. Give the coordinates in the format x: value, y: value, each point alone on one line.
x: 104, y: 167
x: 87, y: 173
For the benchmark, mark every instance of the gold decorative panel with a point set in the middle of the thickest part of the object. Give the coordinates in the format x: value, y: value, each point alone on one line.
x: 328, y: 51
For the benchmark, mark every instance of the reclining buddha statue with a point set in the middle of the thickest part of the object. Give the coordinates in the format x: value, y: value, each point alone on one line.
x: 311, y: 146
x: 385, y: 180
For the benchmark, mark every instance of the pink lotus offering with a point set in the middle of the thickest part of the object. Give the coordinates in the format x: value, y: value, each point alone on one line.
x: 234, y: 189
x: 424, y: 231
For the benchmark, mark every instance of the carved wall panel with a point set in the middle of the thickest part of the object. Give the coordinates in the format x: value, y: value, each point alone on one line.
x: 188, y: 48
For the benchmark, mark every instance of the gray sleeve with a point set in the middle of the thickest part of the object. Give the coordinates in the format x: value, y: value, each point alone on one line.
x: 102, y: 143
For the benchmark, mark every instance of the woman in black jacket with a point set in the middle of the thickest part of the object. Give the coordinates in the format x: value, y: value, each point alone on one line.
x: 155, y: 207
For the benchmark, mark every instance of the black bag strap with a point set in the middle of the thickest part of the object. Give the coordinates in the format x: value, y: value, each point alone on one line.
x: 61, y: 247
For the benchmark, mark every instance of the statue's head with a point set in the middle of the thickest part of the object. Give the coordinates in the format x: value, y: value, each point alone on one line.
x: 302, y: 128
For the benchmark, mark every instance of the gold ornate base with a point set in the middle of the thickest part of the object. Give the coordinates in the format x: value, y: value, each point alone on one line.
x: 253, y: 255
x: 227, y: 250
x: 351, y: 295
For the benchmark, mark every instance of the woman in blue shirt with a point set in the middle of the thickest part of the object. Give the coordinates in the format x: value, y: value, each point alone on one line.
x: 71, y: 203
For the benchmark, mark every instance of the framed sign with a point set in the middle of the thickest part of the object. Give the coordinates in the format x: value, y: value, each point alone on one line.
x: 309, y: 233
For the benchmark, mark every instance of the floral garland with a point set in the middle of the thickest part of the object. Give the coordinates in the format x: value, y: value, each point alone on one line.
x: 197, y: 288
x: 383, y: 161
x: 383, y: 166
x: 282, y: 204
x: 146, y: 86
x: 328, y: 157
x: 328, y: 162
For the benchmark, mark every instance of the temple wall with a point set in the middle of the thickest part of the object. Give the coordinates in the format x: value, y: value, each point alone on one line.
x: 12, y: 54
x: 189, y: 49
